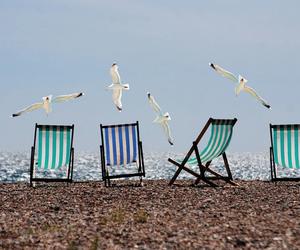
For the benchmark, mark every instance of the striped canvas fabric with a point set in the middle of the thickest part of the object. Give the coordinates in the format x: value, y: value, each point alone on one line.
x: 120, y: 144
x: 221, y: 133
x: 54, y: 147
x: 286, y: 142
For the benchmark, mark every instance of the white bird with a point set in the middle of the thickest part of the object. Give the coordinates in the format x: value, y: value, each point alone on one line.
x: 46, y: 103
x: 117, y: 87
x: 161, y: 118
x: 241, y: 83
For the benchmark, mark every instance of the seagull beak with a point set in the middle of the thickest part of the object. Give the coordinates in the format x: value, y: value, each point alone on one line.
x: 212, y: 65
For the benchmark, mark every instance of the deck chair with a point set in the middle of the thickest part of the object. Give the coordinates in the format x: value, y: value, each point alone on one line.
x: 121, y: 145
x: 52, y: 152
x: 284, y: 150
x: 219, y: 140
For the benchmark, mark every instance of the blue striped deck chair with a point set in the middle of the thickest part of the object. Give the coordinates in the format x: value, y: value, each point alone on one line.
x: 52, y: 152
x: 284, y: 150
x: 121, y: 146
x: 218, y: 142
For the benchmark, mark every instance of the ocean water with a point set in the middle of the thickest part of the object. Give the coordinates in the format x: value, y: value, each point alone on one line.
x: 14, y: 167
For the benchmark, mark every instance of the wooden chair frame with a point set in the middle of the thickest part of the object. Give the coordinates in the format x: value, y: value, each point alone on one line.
x: 69, y: 178
x: 141, y: 166
x: 273, y: 166
x: 203, y: 168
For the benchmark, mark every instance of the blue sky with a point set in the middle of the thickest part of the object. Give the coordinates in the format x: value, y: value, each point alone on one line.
x: 63, y: 46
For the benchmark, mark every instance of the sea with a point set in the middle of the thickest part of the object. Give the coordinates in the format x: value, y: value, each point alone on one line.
x: 14, y: 167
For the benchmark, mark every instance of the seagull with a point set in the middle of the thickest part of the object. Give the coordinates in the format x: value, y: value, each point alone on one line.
x: 116, y: 86
x: 161, y: 118
x: 241, y: 83
x: 46, y: 103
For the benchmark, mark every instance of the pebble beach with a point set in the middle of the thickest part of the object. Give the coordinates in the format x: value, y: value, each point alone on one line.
x: 86, y: 215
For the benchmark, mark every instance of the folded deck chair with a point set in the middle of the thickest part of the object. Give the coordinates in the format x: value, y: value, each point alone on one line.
x: 121, y: 146
x: 52, y: 153
x: 285, y: 149
x: 221, y: 133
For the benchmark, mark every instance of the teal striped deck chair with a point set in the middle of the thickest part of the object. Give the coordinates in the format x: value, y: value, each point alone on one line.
x: 52, y: 153
x: 284, y: 150
x: 121, y: 146
x: 218, y: 142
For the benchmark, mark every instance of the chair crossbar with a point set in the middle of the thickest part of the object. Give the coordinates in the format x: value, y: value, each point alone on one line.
x: 220, y: 137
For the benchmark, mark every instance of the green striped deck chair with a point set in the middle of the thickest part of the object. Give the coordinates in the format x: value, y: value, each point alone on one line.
x: 218, y: 142
x: 52, y: 151
x: 285, y: 149
x: 121, y: 146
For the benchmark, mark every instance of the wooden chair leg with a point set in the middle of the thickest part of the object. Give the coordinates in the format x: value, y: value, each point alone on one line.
x: 198, y: 176
x: 273, y: 168
x: 31, y: 176
x: 204, y: 179
x: 271, y: 164
x: 141, y: 181
x: 31, y: 166
x: 176, y: 173
x: 202, y: 171
x: 228, y: 179
x: 221, y: 177
x: 197, y: 181
x: 274, y: 172
x: 227, y: 166
x: 181, y: 167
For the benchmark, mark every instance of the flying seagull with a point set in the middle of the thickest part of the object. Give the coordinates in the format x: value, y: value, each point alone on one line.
x: 46, y: 103
x: 161, y: 118
x: 241, y: 83
x: 117, y: 87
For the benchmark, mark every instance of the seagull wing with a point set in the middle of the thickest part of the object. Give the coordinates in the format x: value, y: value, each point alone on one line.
x: 254, y: 94
x: 64, y: 98
x: 117, y: 96
x: 224, y: 72
x: 167, y: 130
x: 154, y: 104
x: 29, y: 109
x: 115, y: 76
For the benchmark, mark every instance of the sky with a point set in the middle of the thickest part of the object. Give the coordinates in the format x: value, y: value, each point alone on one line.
x: 164, y: 47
